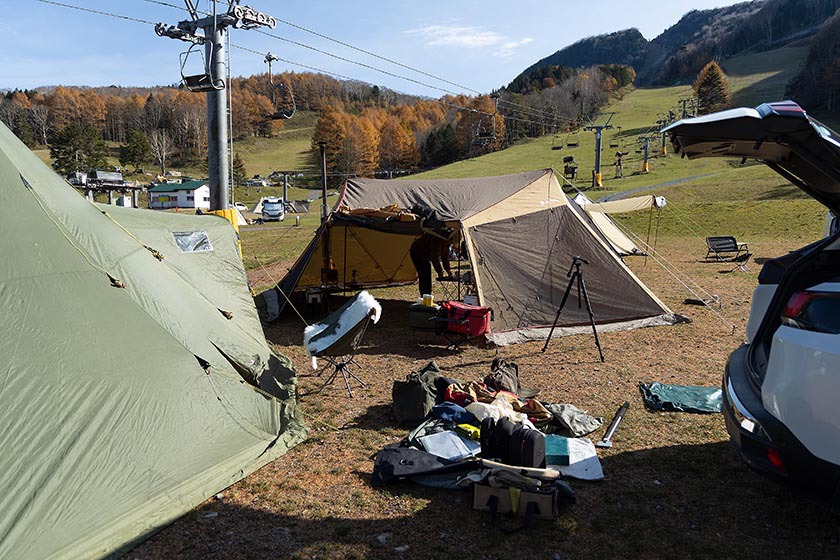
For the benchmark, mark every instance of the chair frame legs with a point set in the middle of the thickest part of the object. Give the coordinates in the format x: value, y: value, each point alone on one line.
x: 342, y: 366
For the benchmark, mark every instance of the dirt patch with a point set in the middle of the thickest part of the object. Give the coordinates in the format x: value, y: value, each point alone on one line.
x: 674, y: 485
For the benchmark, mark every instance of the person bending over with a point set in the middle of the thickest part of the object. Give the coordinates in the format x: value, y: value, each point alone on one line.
x: 429, y: 251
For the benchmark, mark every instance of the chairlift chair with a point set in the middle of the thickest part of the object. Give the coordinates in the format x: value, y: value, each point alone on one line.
x: 570, y: 167
x: 556, y: 142
x: 199, y: 83
x: 289, y: 111
x: 573, y: 139
x: 614, y: 143
x: 484, y: 134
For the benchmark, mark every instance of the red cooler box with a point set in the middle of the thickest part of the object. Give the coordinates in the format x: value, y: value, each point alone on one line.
x: 466, y: 319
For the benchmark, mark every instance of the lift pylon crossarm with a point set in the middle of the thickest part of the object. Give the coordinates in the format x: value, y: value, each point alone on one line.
x: 163, y: 30
x: 249, y: 18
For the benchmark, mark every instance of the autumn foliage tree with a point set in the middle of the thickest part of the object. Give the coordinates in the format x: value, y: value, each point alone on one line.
x: 712, y: 89
x: 397, y: 148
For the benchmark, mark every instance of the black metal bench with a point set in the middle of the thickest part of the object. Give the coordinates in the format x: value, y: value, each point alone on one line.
x: 725, y: 248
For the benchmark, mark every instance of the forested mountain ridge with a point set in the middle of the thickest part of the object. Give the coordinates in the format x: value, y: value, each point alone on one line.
x: 699, y: 36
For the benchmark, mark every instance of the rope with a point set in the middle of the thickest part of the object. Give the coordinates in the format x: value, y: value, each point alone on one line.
x: 659, y: 259
x: 157, y: 254
x: 271, y: 277
x: 683, y: 219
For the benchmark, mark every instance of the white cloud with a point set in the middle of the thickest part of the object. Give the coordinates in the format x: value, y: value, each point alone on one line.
x: 506, y: 50
x: 458, y: 36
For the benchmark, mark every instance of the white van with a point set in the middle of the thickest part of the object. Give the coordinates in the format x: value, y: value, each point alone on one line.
x: 273, y: 209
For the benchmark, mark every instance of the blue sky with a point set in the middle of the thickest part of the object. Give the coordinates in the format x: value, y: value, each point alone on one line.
x: 480, y: 45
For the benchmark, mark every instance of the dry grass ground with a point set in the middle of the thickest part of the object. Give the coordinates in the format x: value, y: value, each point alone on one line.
x: 673, y: 487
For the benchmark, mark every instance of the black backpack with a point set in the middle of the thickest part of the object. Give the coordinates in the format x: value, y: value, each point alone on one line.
x: 511, y: 444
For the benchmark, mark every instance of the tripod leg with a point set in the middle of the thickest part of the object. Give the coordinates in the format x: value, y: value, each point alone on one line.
x: 582, y: 288
x: 559, y: 310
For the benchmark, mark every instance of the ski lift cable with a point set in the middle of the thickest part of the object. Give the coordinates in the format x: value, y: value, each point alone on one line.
x: 364, y: 51
x: 537, y: 112
x: 99, y: 12
x: 350, y: 78
x: 147, y: 22
x: 349, y: 60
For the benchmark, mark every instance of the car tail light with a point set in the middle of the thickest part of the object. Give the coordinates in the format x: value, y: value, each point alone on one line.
x: 813, y: 311
x: 775, y: 458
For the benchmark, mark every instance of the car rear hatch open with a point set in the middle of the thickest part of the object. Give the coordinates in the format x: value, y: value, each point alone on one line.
x: 800, y: 149
x: 782, y: 135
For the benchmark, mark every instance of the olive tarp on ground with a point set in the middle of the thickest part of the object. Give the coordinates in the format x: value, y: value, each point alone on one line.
x: 131, y: 388
x: 521, y: 232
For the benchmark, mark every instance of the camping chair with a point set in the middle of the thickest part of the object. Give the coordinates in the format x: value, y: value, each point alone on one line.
x: 338, y: 336
x: 722, y: 247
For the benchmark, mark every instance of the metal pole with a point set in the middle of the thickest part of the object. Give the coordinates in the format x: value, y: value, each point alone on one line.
x: 597, y: 177
x: 217, y: 139
x: 324, y: 211
x: 285, y: 188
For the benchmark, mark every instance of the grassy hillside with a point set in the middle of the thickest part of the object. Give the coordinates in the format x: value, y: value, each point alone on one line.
x: 758, y: 78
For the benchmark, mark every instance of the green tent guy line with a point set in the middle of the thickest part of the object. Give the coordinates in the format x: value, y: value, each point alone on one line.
x: 131, y: 388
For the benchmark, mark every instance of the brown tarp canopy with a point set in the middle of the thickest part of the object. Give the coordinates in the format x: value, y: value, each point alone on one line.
x: 521, y: 233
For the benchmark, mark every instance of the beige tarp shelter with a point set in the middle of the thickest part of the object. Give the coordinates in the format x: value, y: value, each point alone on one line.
x: 135, y: 379
x: 600, y: 220
x: 520, y: 231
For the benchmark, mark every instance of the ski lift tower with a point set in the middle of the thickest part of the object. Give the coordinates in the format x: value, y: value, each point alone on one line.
x: 599, y: 133
x: 212, y: 80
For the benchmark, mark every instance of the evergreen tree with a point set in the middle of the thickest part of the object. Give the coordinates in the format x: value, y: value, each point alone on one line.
x: 712, y: 89
x: 239, y: 173
x: 78, y: 147
x: 23, y: 130
x: 441, y: 147
x: 136, y: 151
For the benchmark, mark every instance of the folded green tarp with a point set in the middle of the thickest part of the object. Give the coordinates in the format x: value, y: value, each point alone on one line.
x: 680, y: 398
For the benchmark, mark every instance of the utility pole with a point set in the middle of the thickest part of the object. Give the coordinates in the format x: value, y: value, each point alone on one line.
x: 212, y: 81
x: 599, y: 130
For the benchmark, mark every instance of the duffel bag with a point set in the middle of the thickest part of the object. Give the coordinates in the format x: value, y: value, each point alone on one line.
x: 466, y: 319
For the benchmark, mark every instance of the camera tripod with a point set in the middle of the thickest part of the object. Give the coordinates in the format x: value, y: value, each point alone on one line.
x: 575, y: 276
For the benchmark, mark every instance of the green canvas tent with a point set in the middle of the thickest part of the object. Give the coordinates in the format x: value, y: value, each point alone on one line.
x: 135, y: 380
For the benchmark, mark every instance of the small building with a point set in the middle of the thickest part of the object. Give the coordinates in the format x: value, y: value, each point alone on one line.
x: 189, y: 194
x: 98, y: 179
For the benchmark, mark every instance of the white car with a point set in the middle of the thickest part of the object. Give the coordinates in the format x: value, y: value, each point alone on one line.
x: 781, y: 389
